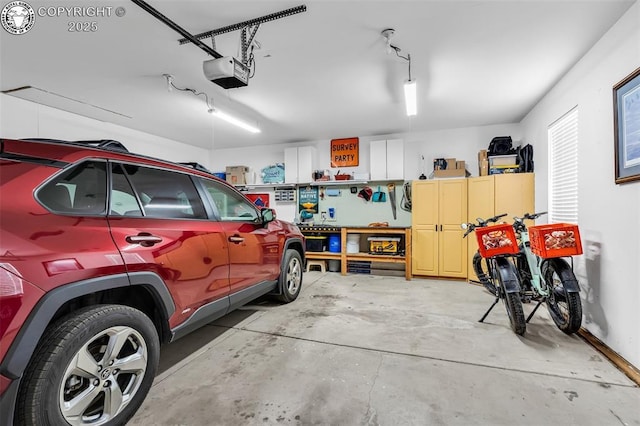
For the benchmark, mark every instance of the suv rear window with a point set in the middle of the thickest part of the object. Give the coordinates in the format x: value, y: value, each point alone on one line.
x: 80, y: 190
x: 162, y: 193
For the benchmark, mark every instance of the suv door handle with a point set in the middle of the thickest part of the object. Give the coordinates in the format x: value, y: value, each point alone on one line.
x: 236, y: 239
x: 144, y: 239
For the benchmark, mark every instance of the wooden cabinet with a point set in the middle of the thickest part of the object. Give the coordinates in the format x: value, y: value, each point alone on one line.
x: 299, y: 164
x: 438, y: 209
x: 511, y: 193
x: 386, y: 159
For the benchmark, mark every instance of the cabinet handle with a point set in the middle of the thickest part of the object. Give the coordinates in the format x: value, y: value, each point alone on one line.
x: 440, y: 228
x: 436, y: 228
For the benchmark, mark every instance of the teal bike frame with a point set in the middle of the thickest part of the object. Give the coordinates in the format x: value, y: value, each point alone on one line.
x: 533, y: 261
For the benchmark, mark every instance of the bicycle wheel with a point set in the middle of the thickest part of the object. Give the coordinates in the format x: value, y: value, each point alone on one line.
x: 564, y: 306
x: 506, y: 277
x: 480, y: 267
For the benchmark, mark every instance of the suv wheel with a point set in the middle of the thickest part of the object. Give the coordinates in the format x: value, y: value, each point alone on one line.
x: 94, y: 366
x: 290, y: 276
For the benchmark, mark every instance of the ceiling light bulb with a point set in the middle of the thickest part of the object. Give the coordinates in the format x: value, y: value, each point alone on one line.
x: 411, y: 97
x: 230, y: 119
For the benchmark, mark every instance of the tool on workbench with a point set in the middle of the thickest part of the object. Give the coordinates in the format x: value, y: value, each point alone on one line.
x: 391, y: 188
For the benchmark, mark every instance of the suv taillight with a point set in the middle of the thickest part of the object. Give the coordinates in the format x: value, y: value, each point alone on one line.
x: 10, y: 281
x: 11, y: 292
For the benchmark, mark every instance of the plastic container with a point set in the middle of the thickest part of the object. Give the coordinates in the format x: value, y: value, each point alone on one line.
x: 353, y: 243
x: 334, y: 265
x: 314, y: 243
x: 555, y: 240
x: 334, y: 243
x: 497, y: 239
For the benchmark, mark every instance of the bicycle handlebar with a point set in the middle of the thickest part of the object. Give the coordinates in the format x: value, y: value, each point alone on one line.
x: 481, y: 223
x: 528, y: 216
x: 518, y: 222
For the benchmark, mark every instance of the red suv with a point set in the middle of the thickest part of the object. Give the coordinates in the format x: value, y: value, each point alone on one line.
x: 104, y: 255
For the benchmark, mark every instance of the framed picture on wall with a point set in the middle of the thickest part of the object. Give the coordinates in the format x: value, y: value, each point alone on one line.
x: 626, y: 121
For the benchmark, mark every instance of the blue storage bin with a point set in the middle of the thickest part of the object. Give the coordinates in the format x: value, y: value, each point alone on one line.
x: 334, y: 243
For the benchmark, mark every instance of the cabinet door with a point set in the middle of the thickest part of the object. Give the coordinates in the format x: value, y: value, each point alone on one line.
x: 378, y: 160
x: 424, y: 200
x: 291, y: 165
x: 514, y: 194
x: 424, y: 220
x: 395, y: 159
x: 424, y: 251
x: 306, y: 157
x: 452, y: 210
x: 481, y: 203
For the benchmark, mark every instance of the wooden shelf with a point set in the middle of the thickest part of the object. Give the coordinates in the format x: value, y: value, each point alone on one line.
x: 323, y: 255
x: 336, y: 182
x: 345, y: 257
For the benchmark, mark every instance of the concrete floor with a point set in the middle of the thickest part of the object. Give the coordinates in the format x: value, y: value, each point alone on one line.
x: 372, y: 350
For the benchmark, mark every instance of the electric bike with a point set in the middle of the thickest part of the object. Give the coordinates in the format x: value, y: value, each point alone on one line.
x: 496, y: 249
x: 544, y: 275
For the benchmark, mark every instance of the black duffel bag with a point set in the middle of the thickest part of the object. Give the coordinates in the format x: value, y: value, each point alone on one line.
x: 500, y: 145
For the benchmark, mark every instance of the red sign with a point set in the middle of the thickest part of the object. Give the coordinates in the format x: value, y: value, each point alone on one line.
x: 344, y: 152
x: 260, y: 200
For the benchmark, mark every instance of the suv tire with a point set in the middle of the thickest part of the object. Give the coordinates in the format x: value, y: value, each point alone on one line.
x: 290, y: 281
x: 94, y: 366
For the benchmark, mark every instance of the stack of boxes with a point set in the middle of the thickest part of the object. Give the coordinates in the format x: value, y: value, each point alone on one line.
x: 448, y: 167
x: 483, y: 163
x: 236, y: 175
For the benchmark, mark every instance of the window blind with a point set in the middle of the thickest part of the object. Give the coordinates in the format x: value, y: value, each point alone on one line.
x: 563, y: 168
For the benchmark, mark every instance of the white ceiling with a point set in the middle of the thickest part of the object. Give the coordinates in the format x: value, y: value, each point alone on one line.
x: 321, y: 74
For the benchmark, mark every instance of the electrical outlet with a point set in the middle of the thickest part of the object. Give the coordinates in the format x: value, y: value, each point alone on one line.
x: 323, y: 215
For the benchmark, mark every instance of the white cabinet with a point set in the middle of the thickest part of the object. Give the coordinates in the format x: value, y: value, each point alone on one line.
x: 387, y: 159
x: 299, y: 164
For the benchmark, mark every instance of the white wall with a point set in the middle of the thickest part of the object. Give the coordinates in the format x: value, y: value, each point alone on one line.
x: 25, y: 119
x: 462, y: 144
x: 609, y: 214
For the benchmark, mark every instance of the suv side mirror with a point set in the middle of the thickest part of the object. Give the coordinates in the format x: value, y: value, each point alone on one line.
x: 267, y: 215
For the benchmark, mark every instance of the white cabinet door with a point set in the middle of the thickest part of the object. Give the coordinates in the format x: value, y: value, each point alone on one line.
x: 378, y: 157
x: 291, y: 165
x: 299, y: 164
x: 387, y: 159
x: 306, y: 157
x: 395, y: 159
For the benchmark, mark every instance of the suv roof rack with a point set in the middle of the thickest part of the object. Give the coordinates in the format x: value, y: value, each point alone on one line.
x: 196, y: 166
x: 106, y: 144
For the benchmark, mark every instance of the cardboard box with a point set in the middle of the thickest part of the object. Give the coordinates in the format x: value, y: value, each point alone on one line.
x: 236, y: 175
x: 454, y: 169
x: 483, y: 167
x: 482, y: 155
x: 451, y: 163
x: 449, y: 173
